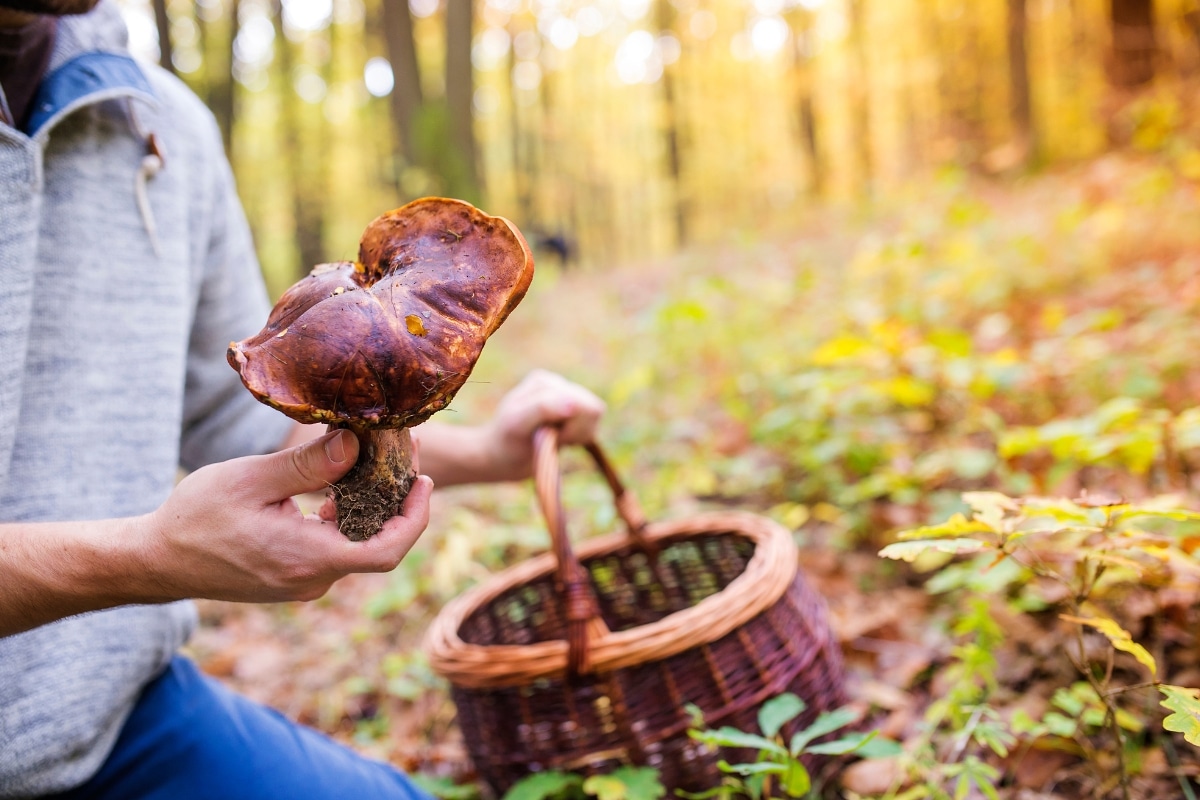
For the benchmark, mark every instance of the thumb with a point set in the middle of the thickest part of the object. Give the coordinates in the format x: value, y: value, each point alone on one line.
x: 309, y: 467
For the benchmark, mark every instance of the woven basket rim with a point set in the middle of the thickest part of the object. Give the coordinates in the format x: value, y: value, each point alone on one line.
x: 766, y: 577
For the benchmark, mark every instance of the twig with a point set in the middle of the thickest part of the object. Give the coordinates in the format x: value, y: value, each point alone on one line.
x: 968, y: 731
x: 1133, y: 688
x: 1110, y: 714
x: 1173, y: 760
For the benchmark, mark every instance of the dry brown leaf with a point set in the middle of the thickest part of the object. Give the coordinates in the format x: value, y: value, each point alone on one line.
x: 872, y: 777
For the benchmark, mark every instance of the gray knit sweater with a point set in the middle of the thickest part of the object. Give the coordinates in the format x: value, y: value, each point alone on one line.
x: 114, y: 319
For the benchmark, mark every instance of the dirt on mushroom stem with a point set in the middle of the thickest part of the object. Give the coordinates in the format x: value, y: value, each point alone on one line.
x: 373, y: 490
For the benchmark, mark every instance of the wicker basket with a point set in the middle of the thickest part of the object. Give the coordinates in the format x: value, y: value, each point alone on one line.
x: 583, y: 663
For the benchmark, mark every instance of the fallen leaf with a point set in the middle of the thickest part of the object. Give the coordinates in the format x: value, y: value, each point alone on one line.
x: 872, y: 777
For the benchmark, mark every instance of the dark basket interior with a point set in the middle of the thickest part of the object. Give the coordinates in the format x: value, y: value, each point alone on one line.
x: 631, y: 588
x: 639, y: 714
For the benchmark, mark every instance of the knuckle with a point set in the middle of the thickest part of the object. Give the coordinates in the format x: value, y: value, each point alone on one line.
x: 388, y: 562
x: 311, y: 593
x: 298, y: 463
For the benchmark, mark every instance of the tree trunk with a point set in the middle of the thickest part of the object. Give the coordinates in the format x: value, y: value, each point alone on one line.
x: 406, y: 97
x: 460, y: 89
x: 860, y: 98
x: 521, y: 171
x: 1021, y: 104
x: 222, y: 95
x: 1133, y: 51
x: 1134, y: 45
x: 304, y: 163
x: 806, y: 117
x: 163, y: 22
x: 1192, y: 18
x: 666, y: 17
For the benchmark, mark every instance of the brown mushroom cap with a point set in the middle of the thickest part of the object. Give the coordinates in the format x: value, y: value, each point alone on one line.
x: 386, y: 341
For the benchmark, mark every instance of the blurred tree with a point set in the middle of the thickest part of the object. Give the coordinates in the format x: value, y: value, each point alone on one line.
x: 765, y: 97
x: 163, y: 23
x: 521, y: 147
x: 665, y: 12
x: 1192, y: 19
x: 1134, y: 49
x: 222, y: 88
x: 406, y: 96
x: 1021, y: 105
x: 460, y: 94
x: 305, y: 165
x: 861, y: 97
x: 800, y: 21
x: 1131, y: 63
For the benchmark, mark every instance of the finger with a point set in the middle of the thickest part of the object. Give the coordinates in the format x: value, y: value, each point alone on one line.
x: 309, y: 467
x: 383, y: 551
x: 328, y: 510
x: 584, y: 413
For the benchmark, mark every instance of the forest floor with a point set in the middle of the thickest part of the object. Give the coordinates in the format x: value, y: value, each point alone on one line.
x: 351, y: 663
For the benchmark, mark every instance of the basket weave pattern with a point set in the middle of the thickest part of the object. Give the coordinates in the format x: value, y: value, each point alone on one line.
x: 709, y: 611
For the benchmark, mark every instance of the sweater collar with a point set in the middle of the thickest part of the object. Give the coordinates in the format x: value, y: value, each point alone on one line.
x: 90, y: 64
x: 100, y: 30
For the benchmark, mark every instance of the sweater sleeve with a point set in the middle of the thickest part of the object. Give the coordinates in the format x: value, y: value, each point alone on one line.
x: 221, y: 419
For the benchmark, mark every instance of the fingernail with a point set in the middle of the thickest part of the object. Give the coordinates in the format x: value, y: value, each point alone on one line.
x: 335, y: 447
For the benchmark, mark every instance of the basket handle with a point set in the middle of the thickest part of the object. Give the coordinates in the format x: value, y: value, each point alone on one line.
x: 581, y: 609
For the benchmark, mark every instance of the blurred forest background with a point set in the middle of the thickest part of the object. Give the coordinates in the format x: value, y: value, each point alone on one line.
x: 842, y: 263
x: 620, y: 129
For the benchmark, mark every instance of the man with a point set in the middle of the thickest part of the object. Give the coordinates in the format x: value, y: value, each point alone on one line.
x: 125, y: 269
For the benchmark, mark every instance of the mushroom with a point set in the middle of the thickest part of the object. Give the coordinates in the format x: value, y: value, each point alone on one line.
x: 380, y: 344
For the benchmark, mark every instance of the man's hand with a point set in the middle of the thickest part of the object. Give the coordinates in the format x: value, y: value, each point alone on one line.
x: 240, y: 536
x: 229, y: 531
x: 542, y: 398
x: 502, y: 449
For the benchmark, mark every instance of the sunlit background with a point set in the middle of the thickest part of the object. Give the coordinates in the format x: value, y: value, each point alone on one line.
x: 615, y: 130
x: 850, y: 264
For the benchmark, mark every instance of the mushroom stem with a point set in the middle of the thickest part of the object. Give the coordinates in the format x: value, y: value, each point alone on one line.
x: 373, y: 490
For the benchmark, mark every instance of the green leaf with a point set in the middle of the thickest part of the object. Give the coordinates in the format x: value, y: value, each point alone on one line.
x: 828, y: 722
x: 1061, y: 510
x: 956, y: 526
x: 1120, y: 638
x: 704, y: 795
x: 1174, y: 515
x: 990, y: 507
x: 1184, y: 704
x: 995, y: 738
x: 641, y: 783
x: 972, y: 771
x: 839, y: 747
x: 1060, y: 724
x: 796, y: 781
x: 879, y: 747
x: 1068, y: 701
x: 732, y: 737
x: 761, y: 768
x: 777, y: 712
x: 445, y: 788
x: 908, y: 551
x: 605, y: 787
x: 1024, y: 725
x: 544, y: 786
x: 753, y: 786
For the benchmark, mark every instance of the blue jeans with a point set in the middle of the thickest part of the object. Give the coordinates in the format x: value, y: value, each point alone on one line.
x: 190, y: 738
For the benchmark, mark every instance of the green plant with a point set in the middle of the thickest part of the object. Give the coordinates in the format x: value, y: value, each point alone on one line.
x: 962, y: 727
x: 1096, y: 551
x: 778, y: 769
x: 623, y: 783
